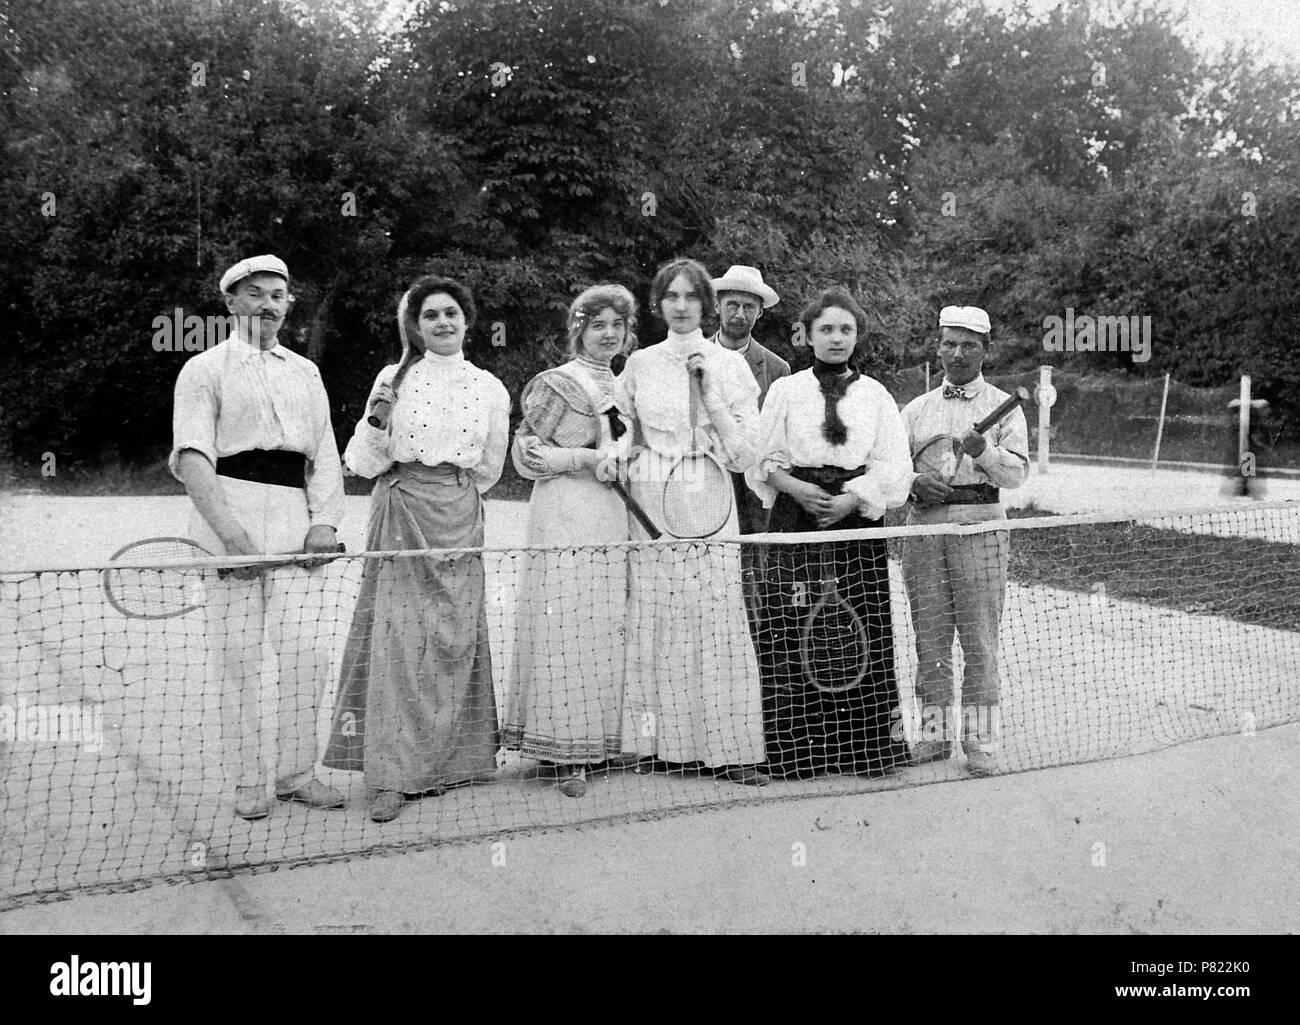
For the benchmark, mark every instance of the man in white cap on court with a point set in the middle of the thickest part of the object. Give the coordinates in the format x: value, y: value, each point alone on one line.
x: 253, y: 445
x: 956, y: 583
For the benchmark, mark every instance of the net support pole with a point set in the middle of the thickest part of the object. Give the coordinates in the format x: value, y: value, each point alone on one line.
x: 1044, y: 416
x: 1160, y: 424
x: 927, y: 375
x: 1243, y: 422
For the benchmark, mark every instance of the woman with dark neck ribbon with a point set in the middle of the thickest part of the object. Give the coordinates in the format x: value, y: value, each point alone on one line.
x: 833, y: 456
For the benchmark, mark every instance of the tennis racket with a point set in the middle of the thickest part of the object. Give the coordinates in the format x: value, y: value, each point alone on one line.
x: 383, y: 411
x: 833, y: 645
x: 410, y: 331
x: 940, y: 457
x: 570, y: 425
x: 698, y: 497
x: 161, y: 591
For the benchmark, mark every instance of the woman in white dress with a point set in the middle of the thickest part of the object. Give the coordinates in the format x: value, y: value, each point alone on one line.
x: 415, y: 708
x: 832, y: 455
x: 693, y: 692
x: 565, y: 688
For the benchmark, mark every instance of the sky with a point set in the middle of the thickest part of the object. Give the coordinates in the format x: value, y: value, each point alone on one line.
x: 1275, y: 24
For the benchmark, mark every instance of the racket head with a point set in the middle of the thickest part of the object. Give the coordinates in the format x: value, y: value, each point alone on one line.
x: 833, y: 645
x: 159, y: 592
x: 697, y: 497
x: 558, y: 411
x: 937, y: 458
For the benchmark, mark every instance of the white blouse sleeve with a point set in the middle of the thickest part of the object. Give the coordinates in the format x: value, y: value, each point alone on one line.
x: 740, y: 394
x: 889, y: 475
x: 369, y: 453
x: 773, y: 449
x: 493, y: 461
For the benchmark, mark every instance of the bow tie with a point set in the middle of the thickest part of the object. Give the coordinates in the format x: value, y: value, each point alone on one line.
x: 955, y: 391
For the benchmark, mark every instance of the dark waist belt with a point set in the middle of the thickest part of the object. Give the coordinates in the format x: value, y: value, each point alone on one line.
x: 828, y: 478
x: 262, y: 466
x: 973, y: 494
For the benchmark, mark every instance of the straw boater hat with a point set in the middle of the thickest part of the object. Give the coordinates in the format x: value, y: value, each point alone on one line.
x: 740, y: 278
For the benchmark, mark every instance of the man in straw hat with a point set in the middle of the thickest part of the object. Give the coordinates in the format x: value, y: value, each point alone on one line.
x: 253, y: 445
x: 741, y: 296
x: 956, y: 583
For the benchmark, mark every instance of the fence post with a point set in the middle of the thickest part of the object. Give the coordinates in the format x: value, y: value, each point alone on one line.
x: 927, y: 375
x: 1160, y: 424
x: 1045, y: 397
x: 1243, y: 422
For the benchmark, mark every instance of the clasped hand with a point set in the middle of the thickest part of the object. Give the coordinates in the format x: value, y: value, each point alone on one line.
x: 825, y: 508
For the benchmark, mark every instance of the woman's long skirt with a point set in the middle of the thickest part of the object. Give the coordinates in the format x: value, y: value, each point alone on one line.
x: 564, y: 699
x: 811, y: 725
x: 415, y: 707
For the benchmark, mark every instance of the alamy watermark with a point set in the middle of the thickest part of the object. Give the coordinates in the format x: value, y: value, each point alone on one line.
x: 53, y: 724
x: 1098, y: 334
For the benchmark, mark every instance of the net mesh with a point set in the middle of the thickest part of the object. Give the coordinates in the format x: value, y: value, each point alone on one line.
x: 665, y: 664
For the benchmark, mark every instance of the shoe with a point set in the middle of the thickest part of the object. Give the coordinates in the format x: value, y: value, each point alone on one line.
x: 931, y: 751
x: 982, y: 763
x: 315, y: 795
x: 747, y: 775
x: 251, y: 803
x: 574, y: 784
x: 386, y: 805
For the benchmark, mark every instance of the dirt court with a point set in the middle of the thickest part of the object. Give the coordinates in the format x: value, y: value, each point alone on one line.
x: 1158, y: 842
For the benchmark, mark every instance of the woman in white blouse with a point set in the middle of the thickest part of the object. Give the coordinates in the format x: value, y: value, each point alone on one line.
x: 693, y: 691
x: 415, y: 708
x: 833, y: 455
x: 565, y: 684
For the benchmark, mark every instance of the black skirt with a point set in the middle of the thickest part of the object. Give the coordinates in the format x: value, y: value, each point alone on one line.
x: 815, y: 719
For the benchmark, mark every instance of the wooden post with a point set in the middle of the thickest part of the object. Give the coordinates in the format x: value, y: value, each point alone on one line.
x: 1160, y: 424
x: 1045, y: 397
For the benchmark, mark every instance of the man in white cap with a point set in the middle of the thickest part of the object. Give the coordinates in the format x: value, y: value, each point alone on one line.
x: 741, y: 298
x: 253, y: 445
x: 956, y: 583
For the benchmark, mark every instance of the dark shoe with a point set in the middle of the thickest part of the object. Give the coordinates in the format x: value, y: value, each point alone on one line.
x: 982, y: 763
x: 574, y: 784
x: 251, y: 803
x: 386, y: 805
x: 315, y: 795
x: 931, y: 751
x: 747, y: 775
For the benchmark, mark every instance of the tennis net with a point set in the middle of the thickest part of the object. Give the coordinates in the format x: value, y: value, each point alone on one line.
x: 457, y: 675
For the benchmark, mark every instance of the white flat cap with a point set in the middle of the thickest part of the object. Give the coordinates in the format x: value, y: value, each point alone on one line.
x: 740, y: 278
x: 267, y: 264
x: 972, y: 318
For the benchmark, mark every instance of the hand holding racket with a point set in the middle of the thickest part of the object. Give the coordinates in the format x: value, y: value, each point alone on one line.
x: 381, y: 406
x: 560, y: 413
x: 938, y: 459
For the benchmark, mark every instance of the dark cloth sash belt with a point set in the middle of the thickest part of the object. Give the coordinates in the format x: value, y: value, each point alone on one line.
x: 829, y: 478
x: 973, y: 494
x: 266, y: 466
x: 425, y: 472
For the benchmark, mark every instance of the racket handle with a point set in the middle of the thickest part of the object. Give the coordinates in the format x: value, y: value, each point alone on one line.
x: 378, y: 417
x: 1021, y: 395
x: 635, y: 508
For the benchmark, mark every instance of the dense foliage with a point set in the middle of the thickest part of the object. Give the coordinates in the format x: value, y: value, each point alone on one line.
x: 923, y: 152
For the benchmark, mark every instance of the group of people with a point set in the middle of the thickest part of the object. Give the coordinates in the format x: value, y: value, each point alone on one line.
x: 687, y: 654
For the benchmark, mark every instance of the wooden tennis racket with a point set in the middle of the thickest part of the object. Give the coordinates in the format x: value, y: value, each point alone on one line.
x: 940, y: 457
x: 570, y: 426
x: 156, y: 590
x: 833, y: 645
x: 697, y: 497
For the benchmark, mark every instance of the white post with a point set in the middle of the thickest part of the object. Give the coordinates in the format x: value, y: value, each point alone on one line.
x: 1044, y: 416
x: 1243, y: 422
x: 1160, y: 424
x: 927, y: 375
